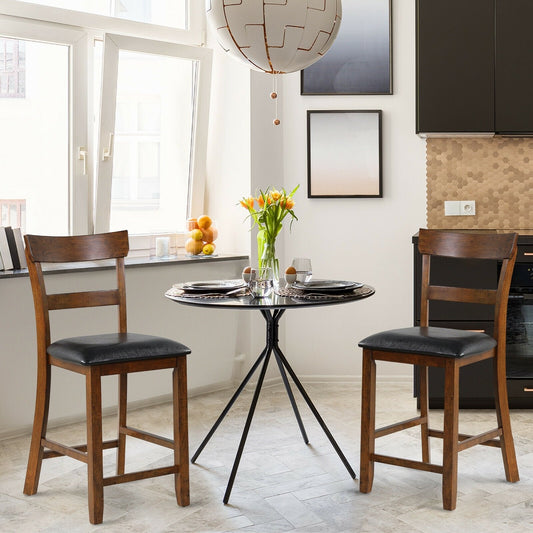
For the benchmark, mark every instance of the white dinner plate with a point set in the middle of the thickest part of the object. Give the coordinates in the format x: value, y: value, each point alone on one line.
x: 216, y: 285
x: 327, y: 285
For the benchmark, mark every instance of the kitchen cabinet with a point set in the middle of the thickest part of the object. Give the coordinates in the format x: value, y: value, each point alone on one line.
x: 474, y: 66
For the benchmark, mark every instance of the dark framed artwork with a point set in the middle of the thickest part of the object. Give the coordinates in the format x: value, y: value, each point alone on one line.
x: 360, y: 59
x: 344, y: 154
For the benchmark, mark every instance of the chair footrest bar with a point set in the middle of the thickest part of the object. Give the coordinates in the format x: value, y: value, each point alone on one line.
x: 141, y: 474
x: 58, y: 450
x: 407, y: 463
x: 61, y: 449
x: 149, y: 437
x: 483, y: 438
x: 400, y: 426
x: 467, y: 441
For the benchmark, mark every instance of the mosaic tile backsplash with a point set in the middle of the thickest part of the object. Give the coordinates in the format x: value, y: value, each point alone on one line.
x: 495, y: 172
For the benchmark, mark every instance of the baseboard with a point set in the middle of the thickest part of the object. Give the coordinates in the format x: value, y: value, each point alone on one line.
x: 354, y: 380
x: 112, y: 410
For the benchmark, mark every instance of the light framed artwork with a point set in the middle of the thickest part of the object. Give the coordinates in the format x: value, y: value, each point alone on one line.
x: 344, y: 154
x: 360, y: 59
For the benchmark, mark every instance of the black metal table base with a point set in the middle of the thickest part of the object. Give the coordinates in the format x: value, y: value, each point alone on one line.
x: 272, y: 347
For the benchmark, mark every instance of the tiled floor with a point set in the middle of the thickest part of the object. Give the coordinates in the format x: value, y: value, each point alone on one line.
x: 282, y: 484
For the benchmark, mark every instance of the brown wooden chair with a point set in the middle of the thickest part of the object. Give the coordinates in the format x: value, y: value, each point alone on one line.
x: 450, y: 349
x: 95, y: 356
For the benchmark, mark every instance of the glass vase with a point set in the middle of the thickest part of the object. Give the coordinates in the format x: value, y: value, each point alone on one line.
x: 267, y: 257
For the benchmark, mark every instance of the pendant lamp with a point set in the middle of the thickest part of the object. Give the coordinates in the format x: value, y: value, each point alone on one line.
x: 275, y: 36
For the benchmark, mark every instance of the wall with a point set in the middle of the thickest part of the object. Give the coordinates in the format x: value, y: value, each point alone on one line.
x: 215, y: 341
x: 496, y: 172
x: 360, y: 239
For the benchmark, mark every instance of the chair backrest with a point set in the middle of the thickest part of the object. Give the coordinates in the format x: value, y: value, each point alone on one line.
x: 498, y: 247
x: 45, y: 249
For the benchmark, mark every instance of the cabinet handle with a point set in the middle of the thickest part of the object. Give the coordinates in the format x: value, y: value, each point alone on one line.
x: 477, y: 330
x: 528, y: 389
x: 528, y: 253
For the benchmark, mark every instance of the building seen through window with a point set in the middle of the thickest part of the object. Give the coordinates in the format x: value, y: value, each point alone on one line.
x: 12, y: 68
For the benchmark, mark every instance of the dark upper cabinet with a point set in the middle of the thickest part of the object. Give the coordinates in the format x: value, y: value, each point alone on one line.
x: 455, y: 66
x: 514, y: 66
x: 474, y: 66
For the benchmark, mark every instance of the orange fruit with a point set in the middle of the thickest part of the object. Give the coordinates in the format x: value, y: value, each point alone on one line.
x: 208, y: 249
x: 191, y: 224
x: 197, y: 235
x: 209, y: 234
x: 193, y: 247
x: 204, y: 222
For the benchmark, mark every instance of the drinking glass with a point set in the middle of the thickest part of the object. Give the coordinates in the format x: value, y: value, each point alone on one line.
x: 261, y: 283
x: 304, y: 272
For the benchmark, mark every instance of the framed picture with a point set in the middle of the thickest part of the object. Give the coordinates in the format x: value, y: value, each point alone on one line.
x: 344, y: 154
x: 360, y: 59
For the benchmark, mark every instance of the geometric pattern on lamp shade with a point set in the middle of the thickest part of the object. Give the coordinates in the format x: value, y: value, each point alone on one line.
x: 275, y: 36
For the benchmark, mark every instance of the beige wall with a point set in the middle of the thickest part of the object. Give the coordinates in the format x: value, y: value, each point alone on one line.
x: 496, y: 172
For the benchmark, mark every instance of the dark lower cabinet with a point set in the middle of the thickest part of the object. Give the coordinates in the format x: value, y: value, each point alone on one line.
x: 476, y: 381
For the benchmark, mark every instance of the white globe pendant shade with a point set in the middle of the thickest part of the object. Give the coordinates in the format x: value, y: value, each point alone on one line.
x: 275, y: 36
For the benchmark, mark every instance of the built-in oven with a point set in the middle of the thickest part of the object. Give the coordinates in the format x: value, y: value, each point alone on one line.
x: 520, y: 323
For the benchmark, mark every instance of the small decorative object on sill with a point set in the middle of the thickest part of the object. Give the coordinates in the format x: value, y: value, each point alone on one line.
x: 268, y: 211
x: 202, y: 236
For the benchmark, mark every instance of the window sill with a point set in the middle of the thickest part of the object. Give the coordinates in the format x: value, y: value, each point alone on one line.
x: 129, y: 262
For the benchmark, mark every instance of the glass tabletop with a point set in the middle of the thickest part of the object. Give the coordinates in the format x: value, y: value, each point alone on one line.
x: 274, y: 301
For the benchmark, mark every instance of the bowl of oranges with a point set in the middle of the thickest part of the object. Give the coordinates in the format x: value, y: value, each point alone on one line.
x: 202, y: 236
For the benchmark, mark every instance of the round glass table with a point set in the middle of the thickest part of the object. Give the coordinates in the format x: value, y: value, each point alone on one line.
x: 272, y: 308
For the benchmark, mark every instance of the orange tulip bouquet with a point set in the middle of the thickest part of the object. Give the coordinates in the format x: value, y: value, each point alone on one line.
x: 268, y: 211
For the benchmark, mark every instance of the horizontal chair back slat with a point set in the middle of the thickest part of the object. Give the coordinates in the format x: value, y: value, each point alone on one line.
x: 466, y: 245
x: 43, y: 249
x: 459, y: 294
x: 82, y: 299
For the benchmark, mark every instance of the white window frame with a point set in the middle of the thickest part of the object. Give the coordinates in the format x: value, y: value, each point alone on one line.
x: 79, y: 175
x: 112, y: 45
x: 194, y: 35
x: 48, y: 24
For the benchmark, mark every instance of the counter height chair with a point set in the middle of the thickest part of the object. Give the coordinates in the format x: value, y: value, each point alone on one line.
x: 95, y: 356
x: 450, y: 349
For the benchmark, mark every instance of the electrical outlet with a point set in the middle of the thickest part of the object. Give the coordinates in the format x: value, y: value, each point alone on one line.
x: 468, y: 207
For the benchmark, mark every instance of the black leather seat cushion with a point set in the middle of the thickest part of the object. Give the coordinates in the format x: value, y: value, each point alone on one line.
x: 444, y: 342
x: 115, y: 348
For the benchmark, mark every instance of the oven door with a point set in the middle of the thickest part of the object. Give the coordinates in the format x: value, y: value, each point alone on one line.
x: 520, y: 336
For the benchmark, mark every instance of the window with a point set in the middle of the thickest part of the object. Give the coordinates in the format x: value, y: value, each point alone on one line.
x: 118, y: 146
x: 172, y: 13
x: 152, y: 166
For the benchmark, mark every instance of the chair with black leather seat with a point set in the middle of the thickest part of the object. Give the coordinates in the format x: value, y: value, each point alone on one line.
x: 95, y: 356
x: 450, y: 349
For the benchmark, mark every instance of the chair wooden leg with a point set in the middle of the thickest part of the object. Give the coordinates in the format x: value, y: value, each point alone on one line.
x: 40, y: 422
x: 424, y: 412
x: 181, y: 432
x: 368, y: 422
x: 94, y: 446
x: 122, y: 416
x: 504, y: 422
x: 451, y: 435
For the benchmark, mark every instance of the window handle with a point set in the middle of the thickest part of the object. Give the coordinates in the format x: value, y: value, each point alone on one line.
x: 108, y: 152
x: 82, y: 156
